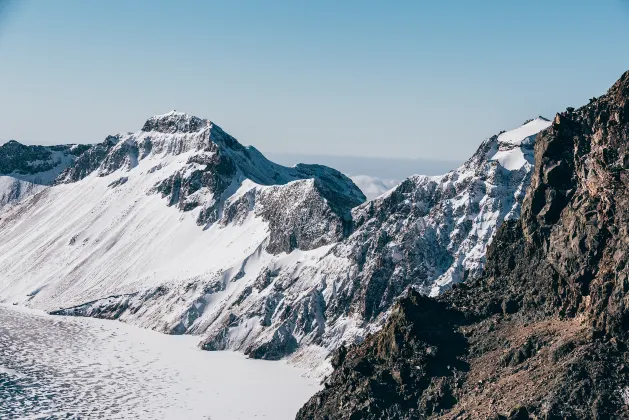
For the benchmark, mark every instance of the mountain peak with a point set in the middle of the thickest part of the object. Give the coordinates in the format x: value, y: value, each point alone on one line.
x: 620, y: 89
x: 175, y: 122
x: 12, y: 143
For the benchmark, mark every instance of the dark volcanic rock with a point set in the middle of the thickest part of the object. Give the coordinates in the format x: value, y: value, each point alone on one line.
x: 27, y: 170
x: 543, y: 333
x: 16, y: 157
x: 174, y: 122
x: 20, y: 159
x: 88, y: 161
x: 386, y: 376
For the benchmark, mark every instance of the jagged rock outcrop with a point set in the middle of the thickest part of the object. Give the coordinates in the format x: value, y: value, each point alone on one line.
x: 89, y: 161
x: 26, y: 170
x: 543, y: 333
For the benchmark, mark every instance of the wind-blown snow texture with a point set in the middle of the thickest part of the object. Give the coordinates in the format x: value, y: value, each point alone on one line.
x: 81, y: 368
x: 181, y: 229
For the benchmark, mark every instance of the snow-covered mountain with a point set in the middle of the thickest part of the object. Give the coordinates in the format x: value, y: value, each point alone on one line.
x: 181, y: 229
x: 26, y: 170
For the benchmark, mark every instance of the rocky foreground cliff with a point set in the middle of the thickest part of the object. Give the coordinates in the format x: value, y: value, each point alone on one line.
x: 543, y: 334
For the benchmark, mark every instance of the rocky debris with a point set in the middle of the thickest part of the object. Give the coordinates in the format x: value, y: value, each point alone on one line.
x: 120, y: 181
x: 543, y: 333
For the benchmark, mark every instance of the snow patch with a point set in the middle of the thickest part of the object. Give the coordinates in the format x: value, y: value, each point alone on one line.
x: 529, y: 129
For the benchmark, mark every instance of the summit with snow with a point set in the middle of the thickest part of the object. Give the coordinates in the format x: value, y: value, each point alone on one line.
x: 180, y: 228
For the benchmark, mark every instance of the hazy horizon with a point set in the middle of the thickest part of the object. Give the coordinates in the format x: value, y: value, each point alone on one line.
x: 409, y: 80
x: 388, y: 170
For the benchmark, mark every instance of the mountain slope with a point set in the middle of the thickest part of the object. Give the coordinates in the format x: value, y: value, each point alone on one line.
x: 438, y: 227
x: 543, y: 333
x: 181, y: 229
x: 125, y: 217
x: 26, y: 170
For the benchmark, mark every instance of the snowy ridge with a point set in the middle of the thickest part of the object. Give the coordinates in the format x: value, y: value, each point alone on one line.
x: 204, y: 166
x: 27, y: 170
x: 428, y: 232
x: 181, y: 229
x: 178, y: 216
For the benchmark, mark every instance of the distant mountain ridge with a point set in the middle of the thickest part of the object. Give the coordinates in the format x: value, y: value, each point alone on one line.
x: 26, y: 170
x: 180, y: 228
x: 384, y: 168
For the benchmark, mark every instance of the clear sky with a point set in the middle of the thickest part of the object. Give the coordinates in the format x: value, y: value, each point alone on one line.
x: 424, y: 79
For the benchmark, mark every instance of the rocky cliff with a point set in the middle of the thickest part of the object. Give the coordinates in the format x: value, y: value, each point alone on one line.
x: 543, y: 333
x: 26, y: 170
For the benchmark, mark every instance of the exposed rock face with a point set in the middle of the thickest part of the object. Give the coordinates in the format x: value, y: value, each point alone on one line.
x: 544, y: 332
x: 27, y: 170
x: 87, y: 162
x: 290, y: 210
x: 432, y: 232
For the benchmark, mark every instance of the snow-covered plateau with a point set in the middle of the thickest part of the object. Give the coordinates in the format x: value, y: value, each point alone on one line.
x: 181, y: 229
x: 61, y: 367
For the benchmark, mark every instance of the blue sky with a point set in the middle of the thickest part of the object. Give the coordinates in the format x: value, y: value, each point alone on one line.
x: 417, y: 79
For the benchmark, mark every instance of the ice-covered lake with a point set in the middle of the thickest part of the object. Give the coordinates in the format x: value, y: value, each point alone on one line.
x: 58, y: 367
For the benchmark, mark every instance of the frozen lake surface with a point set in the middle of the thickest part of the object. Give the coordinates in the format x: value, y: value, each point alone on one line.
x: 58, y: 367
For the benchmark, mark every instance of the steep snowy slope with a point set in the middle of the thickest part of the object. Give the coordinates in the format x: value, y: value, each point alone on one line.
x: 428, y: 232
x: 26, y: 170
x: 179, y: 228
x: 177, y: 209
